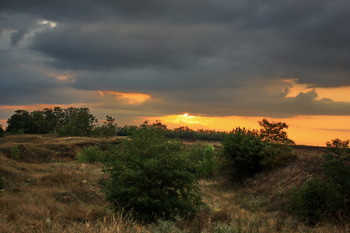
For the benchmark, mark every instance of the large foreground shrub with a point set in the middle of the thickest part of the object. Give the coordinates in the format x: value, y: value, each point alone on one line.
x: 150, y: 178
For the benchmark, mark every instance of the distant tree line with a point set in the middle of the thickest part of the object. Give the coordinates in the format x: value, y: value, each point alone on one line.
x: 63, y: 121
x: 183, y: 132
x: 74, y: 121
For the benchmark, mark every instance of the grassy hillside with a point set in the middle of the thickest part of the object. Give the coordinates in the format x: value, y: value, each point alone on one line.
x: 47, y: 190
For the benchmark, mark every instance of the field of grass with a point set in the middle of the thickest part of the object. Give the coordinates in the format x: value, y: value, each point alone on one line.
x: 46, y: 189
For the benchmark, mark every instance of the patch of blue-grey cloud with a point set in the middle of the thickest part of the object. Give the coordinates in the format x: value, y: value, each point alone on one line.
x: 207, y: 57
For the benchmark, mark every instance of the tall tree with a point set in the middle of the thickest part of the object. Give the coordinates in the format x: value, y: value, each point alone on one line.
x: 274, y: 132
x: 20, y: 122
x: 77, y: 122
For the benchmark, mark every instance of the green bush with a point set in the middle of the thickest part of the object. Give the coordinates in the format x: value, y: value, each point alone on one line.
x: 151, y: 179
x: 15, y: 152
x: 91, y: 155
x: 315, y: 201
x: 203, y: 159
x: 243, y: 148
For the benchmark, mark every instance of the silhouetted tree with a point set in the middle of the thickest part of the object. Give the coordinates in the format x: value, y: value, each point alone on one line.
x: 20, y: 122
x: 51, y: 119
x: 38, y: 124
x: 70, y: 121
x: 77, y: 122
x: 107, y: 129
x: 273, y: 132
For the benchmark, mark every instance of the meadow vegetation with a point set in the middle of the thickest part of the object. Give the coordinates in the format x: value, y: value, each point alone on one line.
x: 250, y: 181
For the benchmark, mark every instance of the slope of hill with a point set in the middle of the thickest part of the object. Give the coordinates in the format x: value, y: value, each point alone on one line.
x: 47, y: 190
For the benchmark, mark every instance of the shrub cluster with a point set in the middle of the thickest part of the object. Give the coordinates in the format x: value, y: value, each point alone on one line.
x: 151, y: 179
x: 15, y: 152
x: 92, y: 155
x: 249, y: 153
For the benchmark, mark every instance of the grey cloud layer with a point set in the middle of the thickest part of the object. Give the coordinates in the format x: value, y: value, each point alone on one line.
x: 199, y: 56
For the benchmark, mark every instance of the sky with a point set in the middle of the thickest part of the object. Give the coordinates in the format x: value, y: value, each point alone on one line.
x: 214, y: 64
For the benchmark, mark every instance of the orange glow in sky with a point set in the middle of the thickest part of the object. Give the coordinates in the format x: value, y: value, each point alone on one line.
x: 306, y: 130
x: 129, y: 98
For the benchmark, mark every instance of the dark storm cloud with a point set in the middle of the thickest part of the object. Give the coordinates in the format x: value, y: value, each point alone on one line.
x: 302, y: 39
x: 108, y: 46
x: 199, y: 56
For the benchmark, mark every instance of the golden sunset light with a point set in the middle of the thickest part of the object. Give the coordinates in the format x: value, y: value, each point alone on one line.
x: 305, y: 130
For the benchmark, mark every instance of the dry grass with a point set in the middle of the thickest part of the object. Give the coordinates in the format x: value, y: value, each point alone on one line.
x: 47, y: 148
x: 62, y: 195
